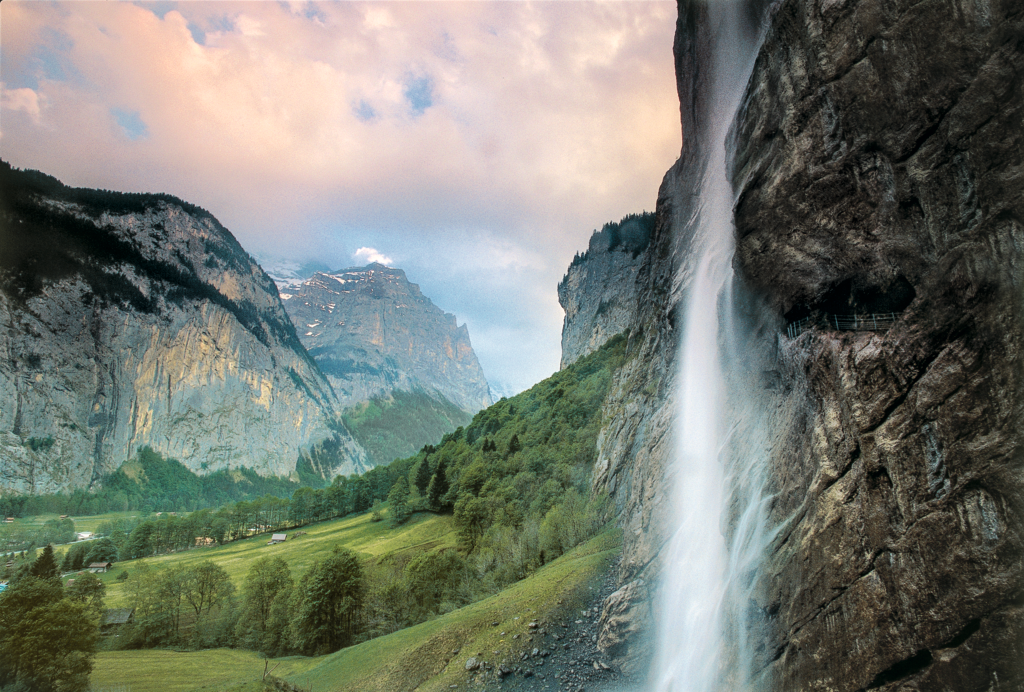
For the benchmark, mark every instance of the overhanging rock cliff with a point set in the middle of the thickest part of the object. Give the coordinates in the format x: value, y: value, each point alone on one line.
x: 877, y: 168
x: 130, y: 320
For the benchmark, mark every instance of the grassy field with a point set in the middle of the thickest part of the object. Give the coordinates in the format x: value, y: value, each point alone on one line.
x: 88, y: 523
x: 176, y: 671
x: 419, y: 657
x: 367, y: 538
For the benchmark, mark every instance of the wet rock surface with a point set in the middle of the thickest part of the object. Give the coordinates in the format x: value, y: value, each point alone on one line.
x: 877, y: 168
x: 880, y: 147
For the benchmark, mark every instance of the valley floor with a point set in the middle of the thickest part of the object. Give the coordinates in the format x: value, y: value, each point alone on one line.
x: 427, y: 657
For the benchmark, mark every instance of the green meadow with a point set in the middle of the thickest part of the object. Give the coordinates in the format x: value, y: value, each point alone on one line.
x: 368, y: 539
x: 420, y: 657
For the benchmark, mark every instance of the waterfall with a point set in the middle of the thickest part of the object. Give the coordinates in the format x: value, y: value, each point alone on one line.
x: 704, y: 623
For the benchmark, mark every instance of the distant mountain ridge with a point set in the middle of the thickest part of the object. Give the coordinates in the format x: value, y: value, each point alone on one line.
x: 403, y: 370
x: 372, y: 332
x: 137, y: 319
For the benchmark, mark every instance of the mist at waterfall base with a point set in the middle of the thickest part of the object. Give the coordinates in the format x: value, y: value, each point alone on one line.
x: 706, y: 632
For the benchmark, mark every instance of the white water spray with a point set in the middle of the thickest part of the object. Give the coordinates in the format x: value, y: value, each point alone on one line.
x: 703, y: 633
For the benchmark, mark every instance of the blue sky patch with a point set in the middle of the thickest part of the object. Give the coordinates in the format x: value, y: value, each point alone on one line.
x: 131, y: 122
x: 419, y: 92
x: 364, y: 111
x: 198, y: 35
x: 313, y: 12
x: 223, y: 24
x: 157, y: 8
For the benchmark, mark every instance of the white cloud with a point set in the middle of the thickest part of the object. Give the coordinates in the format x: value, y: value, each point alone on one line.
x: 250, y: 26
x: 21, y: 100
x: 370, y: 255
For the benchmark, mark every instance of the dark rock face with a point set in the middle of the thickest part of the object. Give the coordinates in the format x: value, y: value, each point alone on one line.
x: 131, y: 320
x: 878, y: 167
x: 372, y: 332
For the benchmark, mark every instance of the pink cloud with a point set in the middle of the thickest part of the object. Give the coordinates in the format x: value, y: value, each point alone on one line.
x: 293, y: 122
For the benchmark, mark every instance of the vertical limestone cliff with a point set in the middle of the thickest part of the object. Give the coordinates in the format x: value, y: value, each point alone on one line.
x: 599, y: 291
x: 635, y: 447
x: 131, y: 320
x: 876, y: 169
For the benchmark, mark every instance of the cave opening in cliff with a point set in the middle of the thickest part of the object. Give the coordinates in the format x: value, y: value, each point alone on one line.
x: 854, y: 304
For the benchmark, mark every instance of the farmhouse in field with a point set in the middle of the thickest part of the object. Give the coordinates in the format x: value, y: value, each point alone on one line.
x: 114, y: 618
x: 97, y: 567
x: 277, y: 538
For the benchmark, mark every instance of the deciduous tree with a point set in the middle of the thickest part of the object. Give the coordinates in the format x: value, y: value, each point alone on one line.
x: 398, y: 502
x: 266, y: 580
x: 87, y: 588
x: 327, y: 602
x: 47, y: 642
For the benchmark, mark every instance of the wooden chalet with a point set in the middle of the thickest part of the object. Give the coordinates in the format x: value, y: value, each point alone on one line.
x: 114, y: 618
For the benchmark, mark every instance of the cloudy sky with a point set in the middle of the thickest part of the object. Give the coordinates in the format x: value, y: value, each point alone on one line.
x: 475, y: 145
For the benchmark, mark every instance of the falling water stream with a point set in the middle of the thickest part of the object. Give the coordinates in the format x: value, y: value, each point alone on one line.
x: 704, y: 629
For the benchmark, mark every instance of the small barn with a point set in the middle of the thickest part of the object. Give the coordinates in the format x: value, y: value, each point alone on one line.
x: 114, y: 618
x: 277, y: 538
x: 97, y: 567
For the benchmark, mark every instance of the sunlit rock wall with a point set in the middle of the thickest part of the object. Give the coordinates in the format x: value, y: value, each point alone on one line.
x: 144, y: 325
x: 373, y: 332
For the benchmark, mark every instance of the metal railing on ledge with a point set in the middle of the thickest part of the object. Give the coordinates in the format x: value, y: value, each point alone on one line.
x: 875, y: 322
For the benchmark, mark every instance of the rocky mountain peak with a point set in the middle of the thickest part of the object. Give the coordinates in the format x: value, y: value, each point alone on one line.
x: 372, y: 332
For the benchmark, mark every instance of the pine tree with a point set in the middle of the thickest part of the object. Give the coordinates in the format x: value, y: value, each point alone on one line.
x: 438, y: 487
x: 45, y: 566
x: 423, y: 476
